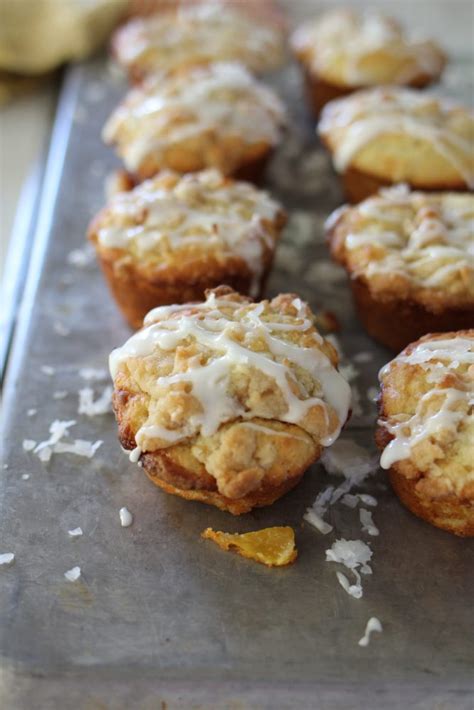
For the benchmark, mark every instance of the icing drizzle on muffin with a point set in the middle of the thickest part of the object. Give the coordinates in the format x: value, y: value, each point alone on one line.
x: 360, y: 49
x: 221, y: 99
x: 351, y: 123
x: 398, y: 239
x: 444, y: 410
x: 231, y: 359
x: 192, y: 214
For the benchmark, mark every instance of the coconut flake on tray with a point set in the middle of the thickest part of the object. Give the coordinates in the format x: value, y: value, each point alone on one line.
x: 31, y: 412
x: 126, y: 518
x: 29, y: 444
x: 60, y: 329
x: 81, y: 257
x: 72, y: 575
x: 6, y: 558
x: 93, y: 373
x: 60, y: 394
x: 54, y: 444
x: 48, y: 370
x: 76, y: 532
x: 353, y: 554
x: 373, y: 624
x: 367, y: 522
x: 92, y: 408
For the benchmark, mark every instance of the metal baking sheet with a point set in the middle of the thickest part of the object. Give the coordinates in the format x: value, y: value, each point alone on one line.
x: 161, y: 616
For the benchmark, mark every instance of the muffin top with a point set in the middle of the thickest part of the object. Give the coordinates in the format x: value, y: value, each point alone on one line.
x: 196, y: 368
x: 427, y: 409
x: 402, y: 135
x: 198, y: 34
x: 410, y: 245
x: 203, y: 108
x: 174, y: 221
x: 347, y: 48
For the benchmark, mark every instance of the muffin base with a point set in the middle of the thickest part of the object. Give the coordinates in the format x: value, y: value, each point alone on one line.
x: 160, y: 469
x: 135, y: 294
x: 396, y: 323
x: 449, y: 514
x: 359, y: 185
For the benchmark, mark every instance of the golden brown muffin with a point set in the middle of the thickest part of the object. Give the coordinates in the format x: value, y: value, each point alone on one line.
x: 343, y: 51
x: 228, y: 401
x: 410, y: 259
x: 388, y: 135
x: 217, y: 116
x: 175, y: 236
x: 200, y: 34
x: 426, y: 429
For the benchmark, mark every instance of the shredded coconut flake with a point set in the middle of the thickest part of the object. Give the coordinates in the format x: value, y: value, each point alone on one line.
x: 93, y: 373
x: 348, y: 458
x: 76, y: 532
x: 31, y: 412
x: 372, y: 394
x: 48, y: 370
x: 60, y: 394
x: 353, y: 554
x: 126, y: 518
x: 61, y: 329
x: 54, y: 444
x: 29, y: 444
x: 367, y: 522
x: 362, y: 357
x: 373, y: 624
x: 314, y: 519
x: 7, y: 558
x: 81, y: 257
x: 25, y: 476
x: 102, y: 405
x: 72, y: 575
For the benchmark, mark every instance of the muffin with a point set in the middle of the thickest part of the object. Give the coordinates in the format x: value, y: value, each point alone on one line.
x: 343, y: 51
x: 173, y: 237
x: 199, y: 34
x: 388, y: 135
x: 426, y: 429
x: 217, y: 116
x: 228, y: 401
x: 410, y: 259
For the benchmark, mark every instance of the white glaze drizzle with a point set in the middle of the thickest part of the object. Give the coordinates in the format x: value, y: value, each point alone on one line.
x: 213, y: 329
x: 200, y: 209
x: 430, y: 237
x: 438, y: 357
x: 365, y: 115
x: 193, y: 34
x: 222, y: 98
x: 340, y: 40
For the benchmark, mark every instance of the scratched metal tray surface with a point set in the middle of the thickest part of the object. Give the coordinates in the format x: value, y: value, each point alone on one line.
x: 160, y: 615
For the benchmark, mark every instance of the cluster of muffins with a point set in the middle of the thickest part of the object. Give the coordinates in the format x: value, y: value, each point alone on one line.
x: 227, y: 399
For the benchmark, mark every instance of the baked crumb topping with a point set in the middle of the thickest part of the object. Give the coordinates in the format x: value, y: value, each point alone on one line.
x: 196, y: 35
x: 184, y: 218
x: 353, y: 125
x: 410, y: 244
x: 427, y: 408
x: 361, y: 49
x: 211, y: 103
x: 195, y: 368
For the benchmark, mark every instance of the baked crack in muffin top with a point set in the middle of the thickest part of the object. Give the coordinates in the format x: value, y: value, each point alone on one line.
x: 347, y: 48
x: 217, y: 105
x: 196, y: 368
x: 198, y: 35
x: 410, y: 245
x: 174, y: 221
x: 401, y: 134
x: 427, y: 411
